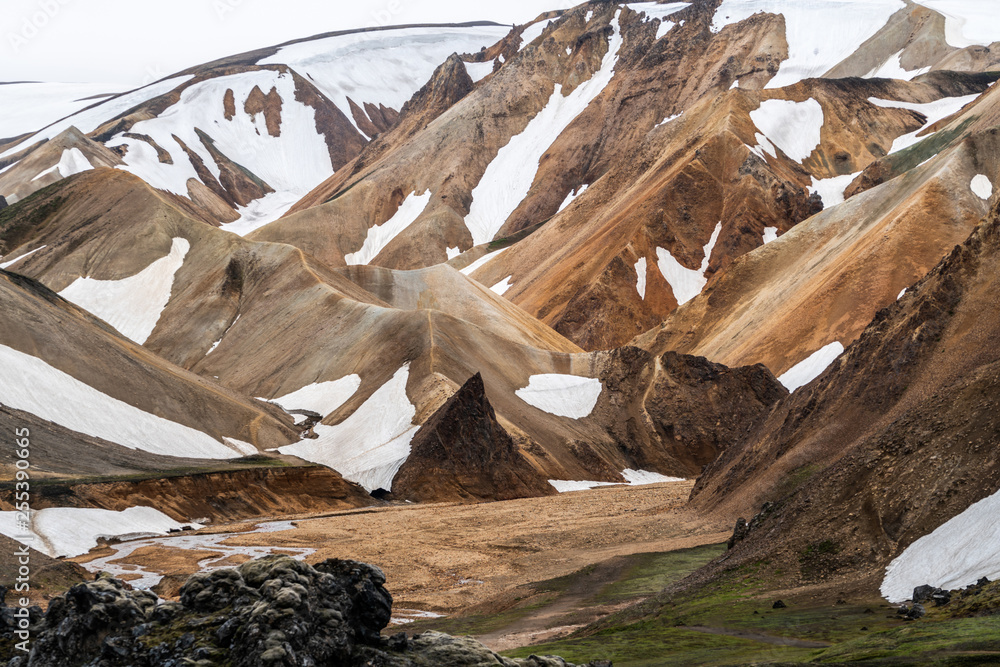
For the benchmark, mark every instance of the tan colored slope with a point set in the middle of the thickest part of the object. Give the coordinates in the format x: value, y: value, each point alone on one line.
x: 36, y: 170
x: 826, y: 279
x: 37, y: 322
x: 655, y: 78
x: 283, y: 321
x: 579, y: 273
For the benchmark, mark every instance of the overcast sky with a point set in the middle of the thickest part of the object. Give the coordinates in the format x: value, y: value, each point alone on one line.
x: 136, y: 41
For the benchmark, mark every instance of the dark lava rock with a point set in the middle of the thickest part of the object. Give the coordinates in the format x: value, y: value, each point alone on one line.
x: 911, y: 613
x: 272, y: 612
x: 3, y: 202
x: 779, y: 605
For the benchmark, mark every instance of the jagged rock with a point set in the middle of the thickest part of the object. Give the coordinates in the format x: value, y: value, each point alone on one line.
x: 927, y: 593
x: 779, y: 604
x: 739, y: 533
x: 911, y: 613
x: 463, y: 453
x: 3, y: 202
x: 275, y: 611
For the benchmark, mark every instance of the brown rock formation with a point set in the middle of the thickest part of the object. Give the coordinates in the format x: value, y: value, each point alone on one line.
x: 463, y: 453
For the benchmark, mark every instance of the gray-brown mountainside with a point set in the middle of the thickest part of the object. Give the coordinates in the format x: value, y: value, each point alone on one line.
x: 266, y: 320
x: 897, y: 437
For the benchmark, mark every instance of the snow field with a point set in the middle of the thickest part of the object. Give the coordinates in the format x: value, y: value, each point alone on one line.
x: 508, y: 178
x: 820, y: 33
x: 73, y: 531
x: 955, y: 555
x: 131, y: 305
x: 382, y: 235
x: 832, y: 189
x: 369, y: 446
x: 382, y: 67
x: 812, y: 367
x: 562, y: 395
x: 28, y: 107
x: 34, y: 386
x: 90, y: 119
x: 686, y: 283
x: 794, y: 127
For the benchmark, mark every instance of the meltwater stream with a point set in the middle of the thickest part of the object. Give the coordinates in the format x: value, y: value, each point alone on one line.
x: 190, y: 542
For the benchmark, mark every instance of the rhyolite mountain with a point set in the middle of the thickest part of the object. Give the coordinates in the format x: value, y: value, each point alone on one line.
x: 464, y: 262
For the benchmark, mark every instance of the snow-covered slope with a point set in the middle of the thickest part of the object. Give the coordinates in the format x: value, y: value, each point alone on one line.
x: 28, y: 107
x: 384, y: 67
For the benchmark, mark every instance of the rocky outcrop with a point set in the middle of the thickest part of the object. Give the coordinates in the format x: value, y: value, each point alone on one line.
x: 273, y: 612
x: 463, y: 453
x: 265, y: 488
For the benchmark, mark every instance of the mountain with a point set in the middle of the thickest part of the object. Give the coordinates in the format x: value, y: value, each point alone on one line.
x: 751, y: 242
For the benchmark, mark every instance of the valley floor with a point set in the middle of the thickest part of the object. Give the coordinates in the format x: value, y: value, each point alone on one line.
x: 448, y: 557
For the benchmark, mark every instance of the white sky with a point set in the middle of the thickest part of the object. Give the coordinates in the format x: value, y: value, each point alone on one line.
x: 136, y: 41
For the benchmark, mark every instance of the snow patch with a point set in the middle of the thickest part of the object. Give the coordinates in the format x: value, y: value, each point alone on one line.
x: 382, y: 235
x: 967, y: 22
x: 242, y: 447
x: 832, y: 189
x: 31, y: 106
x: 811, y: 368
x: 934, y: 111
x: 73, y: 531
x: 686, y: 283
x: 981, y: 186
x: 132, y: 305
x: 89, y: 120
x: 632, y: 478
x: 893, y: 69
x: 562, y: 395
x: 770, y: 234
x: 453, y: 252
x: 34, y: 386
x: 640, y: 272
x: 216, y: 343
x: 794, y: 127
x: 955, y: 555
x: 479, y: 71
x: 571, y: 197
x: 73, y: 161
x: 502, y: 286
x: 321, y: 397
x: 482, y: 261
x: 533, y: 32
x: 369, y: 446
x: 901, y: 294
x: 20, y: 257
x: 820, y: 33
x: 509, y: 176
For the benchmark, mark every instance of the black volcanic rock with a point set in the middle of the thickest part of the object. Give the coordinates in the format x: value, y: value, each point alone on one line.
x: 272, y: 612
x: 463, y: 453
